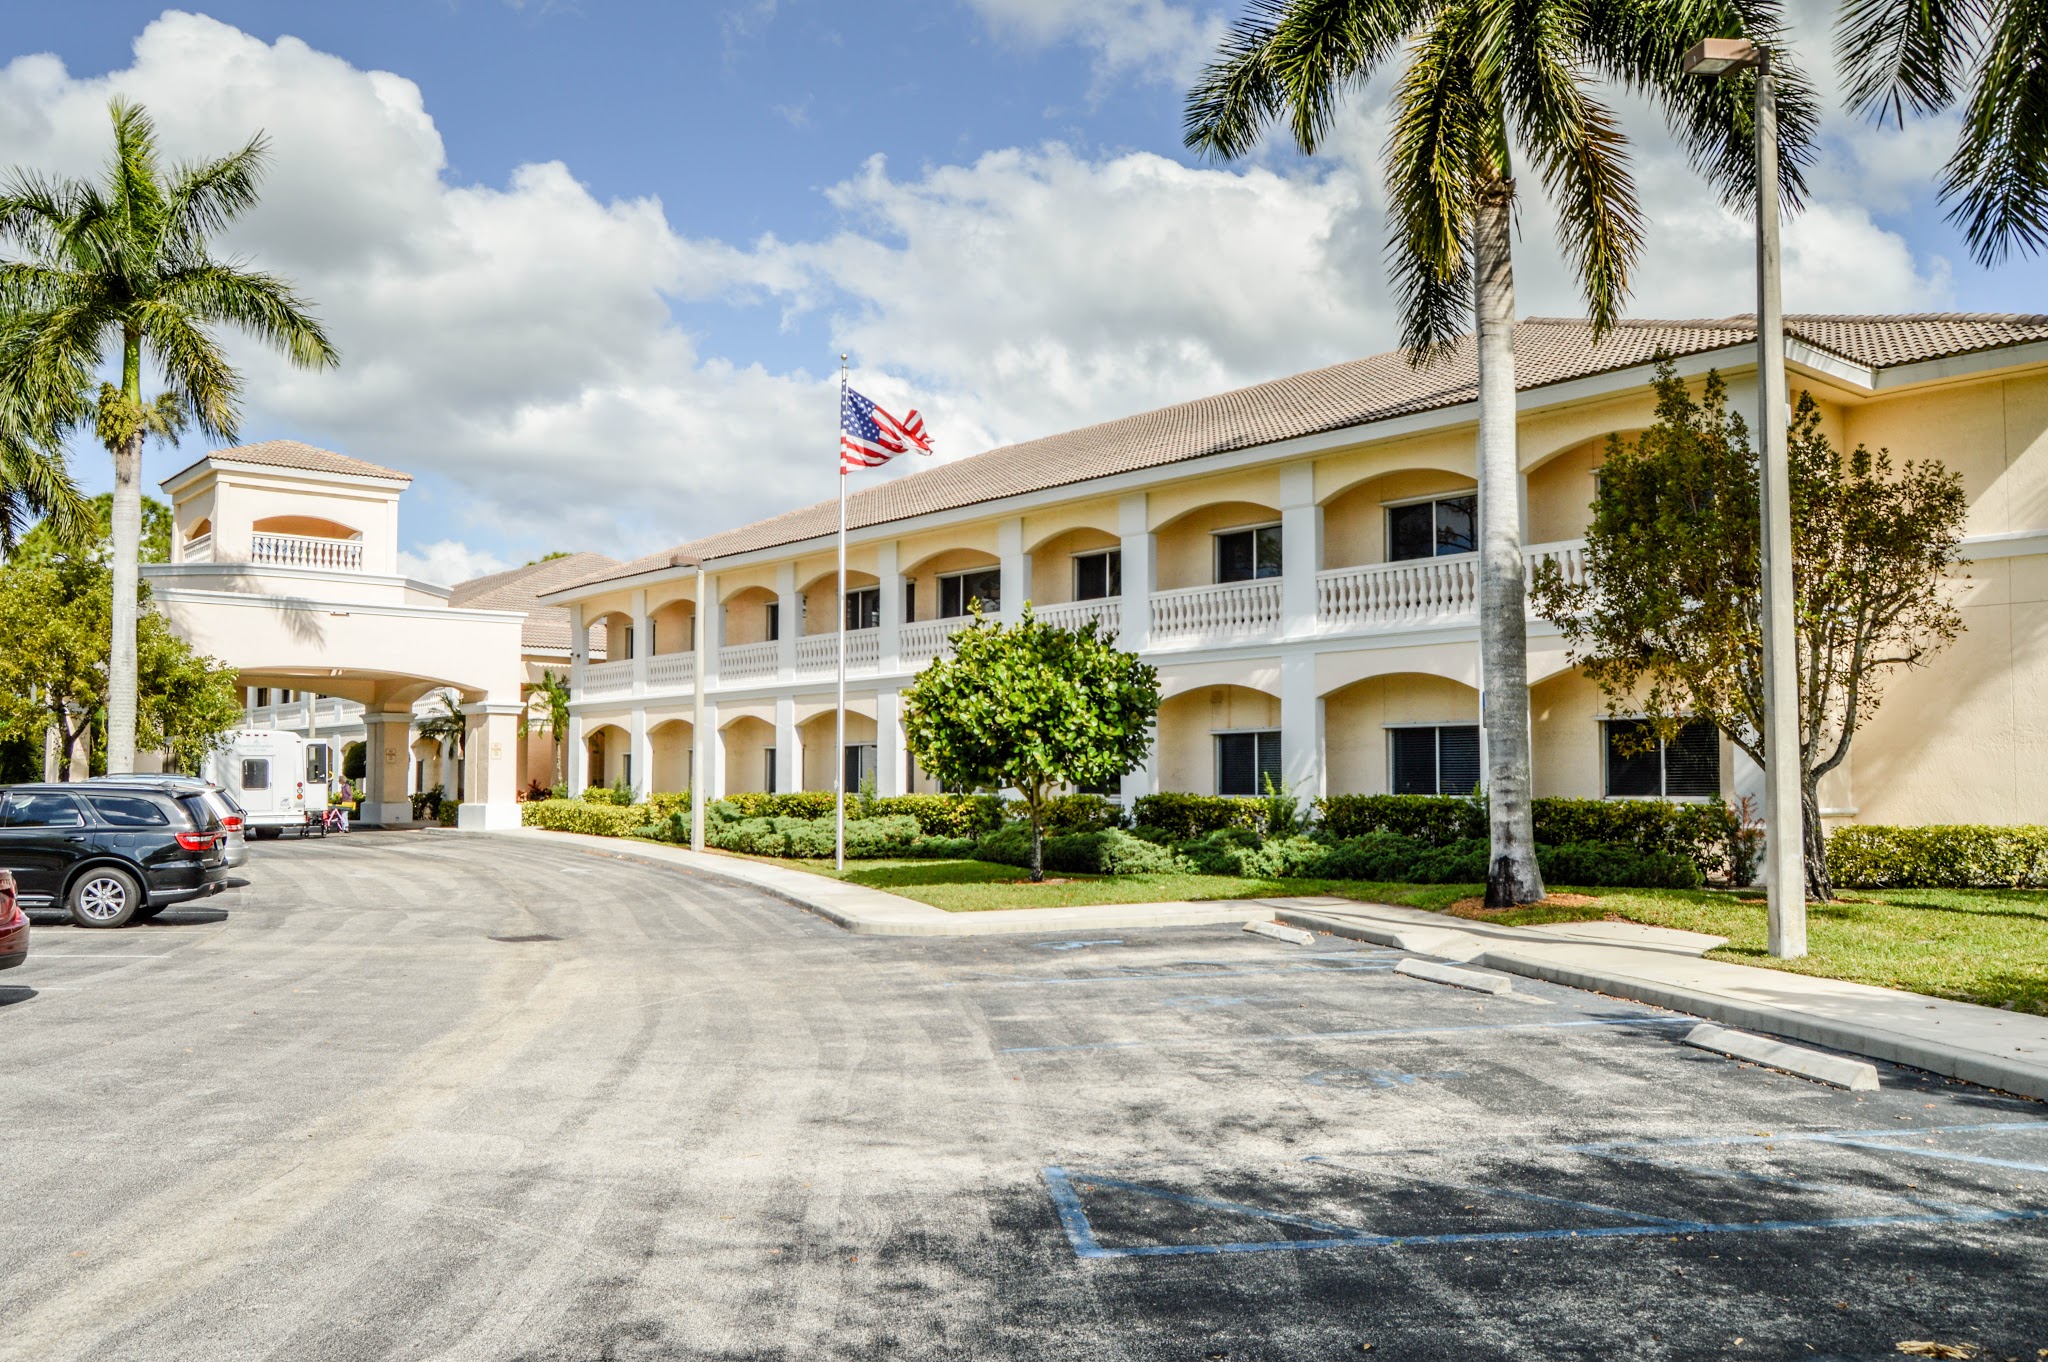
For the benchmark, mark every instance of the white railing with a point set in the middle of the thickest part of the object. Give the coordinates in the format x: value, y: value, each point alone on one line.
x: 305, y: 551
x: 1108, y: 612
x: 199, y: 549
x: 748, y: 662
x: 1199, y: 614
x: 672, y: 671
x: 820, y: 652
x: 1568, y: 554
x: 608, y: 678
x: 1394, y: 595
x: 921, y: 642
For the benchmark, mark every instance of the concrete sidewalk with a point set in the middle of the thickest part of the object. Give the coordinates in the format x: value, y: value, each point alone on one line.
x: 1656, y: 965
x: 1987, y: 1045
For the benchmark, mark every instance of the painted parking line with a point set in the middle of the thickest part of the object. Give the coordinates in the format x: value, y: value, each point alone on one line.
x: 1065, y: 1187
x: 1011, y: 981
x: 1378, y: 1033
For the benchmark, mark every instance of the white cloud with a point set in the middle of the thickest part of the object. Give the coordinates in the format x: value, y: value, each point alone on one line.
x: 447, y: 561
x: 1149, y: 37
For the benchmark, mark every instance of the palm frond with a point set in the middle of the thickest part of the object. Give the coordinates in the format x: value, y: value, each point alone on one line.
x: 194, y: 367
x: 204, y: 198
x: 1901, y: 55
x: 262, y: 304
x: 1997, y: 182
x: 1438, y: 131
x: 1237, y: 94
x: 34, y: 481
x: 1321, y: 47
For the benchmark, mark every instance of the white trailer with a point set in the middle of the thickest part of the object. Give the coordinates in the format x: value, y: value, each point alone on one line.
x: 277, y: 776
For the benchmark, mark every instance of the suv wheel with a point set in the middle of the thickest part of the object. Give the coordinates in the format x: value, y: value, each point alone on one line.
x: 104, y: 897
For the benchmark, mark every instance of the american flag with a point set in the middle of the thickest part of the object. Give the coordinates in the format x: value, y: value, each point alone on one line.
x: 869, y: 437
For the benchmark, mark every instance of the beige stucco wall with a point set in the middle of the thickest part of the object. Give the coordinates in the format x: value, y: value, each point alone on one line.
x: 1052, y: 562
x: 1561, y: 493
x: 816, y: 735
x: 234, y: 500
x: 1186, y: 549
x: 818, y: 615
x: 1355, y: 521
x: 746, y: 616
x: 747, y: 740
x: 1187, y: 725
x: 674, y: 624
x: 1355, y: 723
x: 926, y: 575
x: 670, y: 741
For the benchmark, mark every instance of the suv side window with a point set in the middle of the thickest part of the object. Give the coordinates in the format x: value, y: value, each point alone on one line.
x: 36, y: 810
x: 128, y: 811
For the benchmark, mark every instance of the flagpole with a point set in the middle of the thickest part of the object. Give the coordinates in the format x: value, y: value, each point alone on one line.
x: 839, y: 752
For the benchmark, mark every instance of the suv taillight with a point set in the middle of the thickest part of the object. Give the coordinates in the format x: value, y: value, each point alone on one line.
x: 233, y: 822
x: 8, y: 905
x: 196, y: 841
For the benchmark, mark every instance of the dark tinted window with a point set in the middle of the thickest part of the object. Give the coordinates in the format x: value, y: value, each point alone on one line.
x: 1245, y: 760
x: 1435, y: 761
x: 1247, y: 555
x: 128, y: 811
x: 1692, y: 761
x: 774, y: 621
x: 1457, y: 759
x: 910, y: 602
x: 1431, y: 529
x: 1642, y: 766
x: 255, y: 773
x: 1414, y: 760
x: 864, y: 608
x: 28, y: 809
x: 316, y: 762
x: 1098, y: 575
x: 956, y: 593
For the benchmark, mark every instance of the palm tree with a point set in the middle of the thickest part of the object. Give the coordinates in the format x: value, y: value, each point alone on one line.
x: 1483, y: 82
x: 126, y: 263
x: 447, y: 725
x: 553, y: 693
x: 34, y: 482
x: 1919, y: 55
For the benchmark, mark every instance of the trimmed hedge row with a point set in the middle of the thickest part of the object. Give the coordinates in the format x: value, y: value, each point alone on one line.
x: 582, y: 815
x: 1650, y: 827
x: 1939, y: 856
x: 1393, y: 858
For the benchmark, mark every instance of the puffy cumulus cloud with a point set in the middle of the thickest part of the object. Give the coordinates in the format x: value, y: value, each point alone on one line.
x: 1149, y: 37
x: 448, y: 561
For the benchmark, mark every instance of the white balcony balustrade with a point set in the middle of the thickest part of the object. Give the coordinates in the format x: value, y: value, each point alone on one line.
x: 1424, y: 591
x: 199, y: 549
x: 817, y: 653
x: 671, y: 671
x: 919, y: 643
x: 747, y: 662
x: 1107, y: 612
x: 608, y: 678
x: 1568, y: 554
x: 1197, y: 615
x: 305, y: 551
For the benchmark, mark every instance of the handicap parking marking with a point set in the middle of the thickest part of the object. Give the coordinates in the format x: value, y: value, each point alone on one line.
x: 1376, y: 1033
x: 1070, y: 1190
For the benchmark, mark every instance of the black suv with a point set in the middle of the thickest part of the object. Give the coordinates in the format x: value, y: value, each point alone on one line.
x: 112, y: 854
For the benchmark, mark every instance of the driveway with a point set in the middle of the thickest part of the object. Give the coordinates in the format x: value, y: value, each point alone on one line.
x: 434, y: 1095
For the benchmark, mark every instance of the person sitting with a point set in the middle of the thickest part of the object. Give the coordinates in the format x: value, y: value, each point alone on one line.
x: 340, y: 804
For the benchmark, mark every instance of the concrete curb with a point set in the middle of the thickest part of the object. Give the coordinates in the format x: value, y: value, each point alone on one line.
x: 1852, y: 1074
x: 2021, y: 1077
x: 1455, y: 977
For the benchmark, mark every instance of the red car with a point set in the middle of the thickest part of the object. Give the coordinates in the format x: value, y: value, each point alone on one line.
x: 13, y: 924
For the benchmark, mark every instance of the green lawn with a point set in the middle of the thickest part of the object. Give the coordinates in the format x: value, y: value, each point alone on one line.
x: 1982, y: 946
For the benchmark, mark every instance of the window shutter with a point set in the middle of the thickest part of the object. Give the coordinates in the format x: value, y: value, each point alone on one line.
x: 1269, y: 762
x: 1458, y: 759
x: 1633, y: 773
x: 1414, y: 759
x: 1237, y: 763
x: 1692, y: 761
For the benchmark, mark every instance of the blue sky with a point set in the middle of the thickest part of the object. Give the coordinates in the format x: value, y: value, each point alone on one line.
x: 591, y: 264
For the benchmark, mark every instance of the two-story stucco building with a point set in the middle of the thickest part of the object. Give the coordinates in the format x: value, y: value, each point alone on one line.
x: 1295, y: 558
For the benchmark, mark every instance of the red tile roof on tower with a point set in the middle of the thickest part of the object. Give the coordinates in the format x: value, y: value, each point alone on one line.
x: 293, y: 454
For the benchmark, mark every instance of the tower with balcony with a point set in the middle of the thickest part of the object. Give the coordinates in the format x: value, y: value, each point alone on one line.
x: 282, y: 504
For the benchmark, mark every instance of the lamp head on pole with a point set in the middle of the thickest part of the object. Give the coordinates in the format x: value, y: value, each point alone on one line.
x: 1715, y: 57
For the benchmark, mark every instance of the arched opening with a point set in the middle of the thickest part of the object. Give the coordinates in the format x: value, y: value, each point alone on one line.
x: 619, y: 641
x: 305, y: 527
x: 816, y: 737
x: 749, y: 746
x: 1224, y: 541
x: 672, y: 625
x: 863, y: 603
x: 944, y: 585
x: 1218, y: 740
x: 608, y: 751
x: 670, y: 744
x: 751, y: 615
x: 1409, y: 514
x: 1402, y: 733
x: 1561, y: 490
x: 1082, y: 564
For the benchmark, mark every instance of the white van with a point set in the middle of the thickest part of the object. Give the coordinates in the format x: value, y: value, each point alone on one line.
x: 276, y: 776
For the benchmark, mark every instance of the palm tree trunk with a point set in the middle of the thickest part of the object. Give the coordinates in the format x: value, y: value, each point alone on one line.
x: 127, y: 533
x: 1512, y: 876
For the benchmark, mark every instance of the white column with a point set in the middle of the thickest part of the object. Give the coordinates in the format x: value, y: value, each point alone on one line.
x: 791, y: 624
x: 713, y: 632
x: 891, y: 755
x: 579, y: 652
x: 1301, y: 727
x: 576, y: 759
x: 490, y: 798
x: 387, y: 763
x: 1016, y: 567
x: 643, y: 644
x: 889, y: 638
x: 714, y: 754
x: 1301, y: 549
x: 642, y: 748
x: 1145, y: 780
x: 789, y: 770
x: 1140, y: 572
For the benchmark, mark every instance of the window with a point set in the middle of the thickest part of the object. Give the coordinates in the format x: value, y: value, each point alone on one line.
x: 1430, y: 529
x: 860, y: 765
x: 262, y: 697
x: 42, y: 811
x: 961, y: 589
x: 626, y: 767
x: 625, y: 642
x: 1244, y: 761
x: 127, y: 811
x: 864, y: 608
x: 1434, y: 760
x: 1641, y: 765
x: 1098, y: 575
x: 1247, y: 555
x: 910, y: 602
x: 255, y: 773
x: 774, y: 621
x: 316, y: 762
x: 768, y: 775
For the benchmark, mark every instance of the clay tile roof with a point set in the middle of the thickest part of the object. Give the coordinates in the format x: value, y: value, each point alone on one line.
x: 520, y: 588
x: 1358, y: 392
x: 293, y: 454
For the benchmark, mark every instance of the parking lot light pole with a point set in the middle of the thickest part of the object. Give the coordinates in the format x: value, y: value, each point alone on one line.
x: 1784, y: 849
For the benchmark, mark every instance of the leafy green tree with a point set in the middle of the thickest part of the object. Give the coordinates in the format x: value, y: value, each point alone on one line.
x: 1925, y: 56
x: 1666, y: 617
x: 1480, y: 83
x: 553, y: 718
x: 55, y: 604
x: 121, y: 273
x: 1031, y: 707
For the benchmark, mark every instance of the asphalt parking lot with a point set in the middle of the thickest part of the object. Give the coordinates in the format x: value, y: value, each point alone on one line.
x: 442, y: 1096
